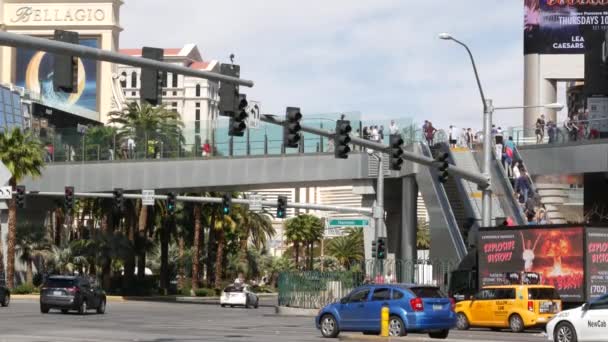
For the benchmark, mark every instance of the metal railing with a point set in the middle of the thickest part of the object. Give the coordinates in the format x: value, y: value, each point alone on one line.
x: 560, y: 133
x: 315, y: 289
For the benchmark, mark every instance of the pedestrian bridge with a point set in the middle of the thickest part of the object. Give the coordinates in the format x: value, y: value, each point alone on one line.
x: 568, y: 158
x: 290, y: 170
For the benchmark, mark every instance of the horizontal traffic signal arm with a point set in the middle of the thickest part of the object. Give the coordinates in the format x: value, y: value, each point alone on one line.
x: 474, y: 177
x: 61, y: 48
x: 194, y: 199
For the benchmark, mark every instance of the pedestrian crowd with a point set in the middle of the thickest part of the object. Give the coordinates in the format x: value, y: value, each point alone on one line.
x: 575, y: 127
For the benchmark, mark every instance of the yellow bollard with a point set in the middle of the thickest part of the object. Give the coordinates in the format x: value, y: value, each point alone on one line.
x: 384, y: 322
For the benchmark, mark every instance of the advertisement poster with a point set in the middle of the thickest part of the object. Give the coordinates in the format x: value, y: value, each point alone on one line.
x: 597, y: 262
x: 34, y: 71
x: 556, y: 254
x: 562, y: 26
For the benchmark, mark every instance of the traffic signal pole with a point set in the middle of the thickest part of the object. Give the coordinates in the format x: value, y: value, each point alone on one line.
x: 481, y: 180
x: 218, y: 200
x: 61, y: 48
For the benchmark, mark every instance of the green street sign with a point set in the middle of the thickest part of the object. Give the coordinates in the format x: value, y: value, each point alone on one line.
x: 348, y: 223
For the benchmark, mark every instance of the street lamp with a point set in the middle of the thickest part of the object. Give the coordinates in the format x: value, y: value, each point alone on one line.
x: 488, y: 110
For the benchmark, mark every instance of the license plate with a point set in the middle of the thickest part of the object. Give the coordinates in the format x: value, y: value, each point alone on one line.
x: 57, y: 293
x: 437, y: 307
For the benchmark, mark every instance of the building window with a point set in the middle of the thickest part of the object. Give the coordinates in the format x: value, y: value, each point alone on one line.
x: 174, y: 105
x: 197, y: 127
x: 174, y: 93
x: 165, y: 79
x: 197, y: 114
x: 164, y: 93
x: 133, y: 93
x: 174, y: 80
x: 133, y: 79
x: 123, y: 80
x: 198, y: 90
x: 197, y: 105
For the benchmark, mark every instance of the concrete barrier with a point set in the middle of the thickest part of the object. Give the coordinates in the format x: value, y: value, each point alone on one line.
x: 289, y: 311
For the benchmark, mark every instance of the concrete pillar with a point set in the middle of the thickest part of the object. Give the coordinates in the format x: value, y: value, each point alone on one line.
x: 409, y: 218
x: 537, y: 91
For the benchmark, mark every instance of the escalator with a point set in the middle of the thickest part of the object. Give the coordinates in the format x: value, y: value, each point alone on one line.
x: 444, y: 227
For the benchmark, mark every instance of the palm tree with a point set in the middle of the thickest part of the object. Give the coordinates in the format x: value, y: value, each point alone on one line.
x: 253, y: 226
x: 196, y: 245
x: 148, y: 124
x: 314, y: 228
x: 31, y: 242
x: 348, y: 248
x: 21, y: 153
x: 295, y: 235
x: 423, y: 235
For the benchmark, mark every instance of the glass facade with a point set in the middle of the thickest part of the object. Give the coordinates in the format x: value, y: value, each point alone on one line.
x: 11, y: 110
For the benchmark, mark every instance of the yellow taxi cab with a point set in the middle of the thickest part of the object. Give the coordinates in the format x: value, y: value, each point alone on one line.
x: 509, y: 306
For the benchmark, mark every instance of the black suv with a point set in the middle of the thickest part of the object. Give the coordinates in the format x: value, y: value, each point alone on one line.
x: 5, y: 296
x: 71, y: 293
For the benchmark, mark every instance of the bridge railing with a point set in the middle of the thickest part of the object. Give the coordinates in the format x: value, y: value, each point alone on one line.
x: 200, y: 139
x: 560, y: 133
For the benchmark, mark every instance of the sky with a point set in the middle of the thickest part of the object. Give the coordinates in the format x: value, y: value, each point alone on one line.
x: 379, y: 57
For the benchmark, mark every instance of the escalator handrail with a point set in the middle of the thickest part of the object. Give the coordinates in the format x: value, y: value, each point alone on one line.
x: 510, y: 191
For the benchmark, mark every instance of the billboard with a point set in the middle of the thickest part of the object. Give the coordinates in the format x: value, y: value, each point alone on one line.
x: 562, y: 26
x: 597, y: 262
x: 554, y: 253
x: 34, y: 71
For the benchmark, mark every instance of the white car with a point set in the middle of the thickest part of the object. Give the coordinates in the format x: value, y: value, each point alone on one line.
x: 588, y: 322
x: 239, y: 295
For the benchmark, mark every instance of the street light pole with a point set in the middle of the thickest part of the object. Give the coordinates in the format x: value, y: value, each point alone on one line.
x: 486, y: 192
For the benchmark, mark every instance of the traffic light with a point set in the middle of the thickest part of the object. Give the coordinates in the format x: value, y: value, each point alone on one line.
x: 237, y: 119
x: 381, y: 248
x: 69, y: 199
x: 442, y: 164
x: 229, y: 92
x: 171, y: 203
x: 226, y: 204
x: 341, y: 139
x: 292, y: 128
x: 374, y: 249
x: 65, y: 67
x: 119, y: 200
x: 281, y: 207
x: 396, y: 146
x: 20, y: 196
x: 151, y: 89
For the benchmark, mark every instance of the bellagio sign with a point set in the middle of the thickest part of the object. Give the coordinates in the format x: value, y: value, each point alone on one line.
x: 58, y: 14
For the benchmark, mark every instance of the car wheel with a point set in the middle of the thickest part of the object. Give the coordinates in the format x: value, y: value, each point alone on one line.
x: 564, y: 332
x: 516, y: 323
x: 462, y: 322
x: 7, y: 300
x: 64, y: 311
x: 329, y: 327
x: 257, y: 303
x: 83, y: 307
x: 223, y: 305
x: 246, y: 303
x: 395, y: 326
x: 443, y: 334
x: 101, y: 309
x: 44, y: 309
x: 231, y: 306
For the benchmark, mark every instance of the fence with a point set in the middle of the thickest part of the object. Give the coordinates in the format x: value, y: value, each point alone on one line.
x: 315, y: 289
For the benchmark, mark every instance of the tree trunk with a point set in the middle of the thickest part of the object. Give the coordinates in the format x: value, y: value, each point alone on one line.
x: 164, y: 256
x: 141, y: 235
x: 29, y: 273
x: 129, y: 266
x: 196, y: 247
x: 106, y: 268
x: 2, y: 269
x: 211, y: 252
x: 219, y: 258
x: 181, y: 267
x: 11, y: 239
x: 296, y: 247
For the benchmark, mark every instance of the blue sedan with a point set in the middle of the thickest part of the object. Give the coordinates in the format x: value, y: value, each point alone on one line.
x: 412, y: 308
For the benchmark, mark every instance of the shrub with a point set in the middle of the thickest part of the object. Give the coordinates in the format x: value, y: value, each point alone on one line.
x: 24, y: 289
x: 203, y: 292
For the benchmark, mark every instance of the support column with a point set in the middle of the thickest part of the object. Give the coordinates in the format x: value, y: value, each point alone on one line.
x: 531, y: 92
x: 408, y: 251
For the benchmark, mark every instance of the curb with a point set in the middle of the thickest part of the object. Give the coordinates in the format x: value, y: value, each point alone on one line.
x: 289, y: 311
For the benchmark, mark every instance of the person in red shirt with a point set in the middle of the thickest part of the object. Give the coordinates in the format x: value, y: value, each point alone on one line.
x: 206, y: 149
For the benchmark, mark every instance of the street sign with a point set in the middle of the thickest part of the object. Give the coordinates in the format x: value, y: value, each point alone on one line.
x: 347, y: 222
x: 5, y: 174
x: 6, y: 192
x: 256, y: 202
x: 147, y: 197
x: 82, y: 129
x: 254, y: 108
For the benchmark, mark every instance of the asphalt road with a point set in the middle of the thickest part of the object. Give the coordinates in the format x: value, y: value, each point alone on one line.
x: 166, y: 322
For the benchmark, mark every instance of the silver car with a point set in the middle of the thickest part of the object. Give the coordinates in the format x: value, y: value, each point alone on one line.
x: 240, y: 295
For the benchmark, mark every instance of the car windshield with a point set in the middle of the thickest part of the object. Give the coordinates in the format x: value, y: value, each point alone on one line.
x: 427, y: 292
x: 234, y: 289
x: 542, y: 293
x: 60, y: 282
